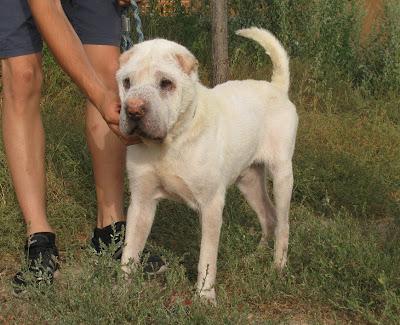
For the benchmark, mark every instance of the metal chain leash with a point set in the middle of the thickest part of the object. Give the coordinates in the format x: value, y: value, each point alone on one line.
x: 126, y: 40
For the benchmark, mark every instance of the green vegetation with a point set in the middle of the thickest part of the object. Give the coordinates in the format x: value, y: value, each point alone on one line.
x: 344, y: 256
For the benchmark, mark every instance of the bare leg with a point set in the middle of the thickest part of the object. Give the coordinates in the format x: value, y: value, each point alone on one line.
x: 253, y: 187
x: 108, y: 152
x: 282, y: 176
x: 23, y: 136
x: 211, y: 222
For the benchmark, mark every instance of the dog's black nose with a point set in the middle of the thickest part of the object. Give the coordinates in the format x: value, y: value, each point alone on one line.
x: 135, y: 108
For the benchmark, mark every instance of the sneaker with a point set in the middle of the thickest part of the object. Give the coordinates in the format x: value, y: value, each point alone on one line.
x: 154, y: 264
x: 42, y: 261
x: 111, y: 235
x: 114, y: 235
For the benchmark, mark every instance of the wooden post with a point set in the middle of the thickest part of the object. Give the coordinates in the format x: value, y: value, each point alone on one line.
x: 219, y: 17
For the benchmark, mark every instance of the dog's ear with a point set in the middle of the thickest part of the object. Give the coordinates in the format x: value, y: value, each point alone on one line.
x: 124, y: 57
x: 188, y: 63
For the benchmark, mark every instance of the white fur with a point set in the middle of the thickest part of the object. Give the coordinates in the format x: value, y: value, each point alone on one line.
x: 232, y: 134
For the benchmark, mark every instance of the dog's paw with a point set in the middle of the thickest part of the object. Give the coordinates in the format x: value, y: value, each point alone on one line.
x: 127, y: 270
x: 208, y: 296
x: 280, y: 261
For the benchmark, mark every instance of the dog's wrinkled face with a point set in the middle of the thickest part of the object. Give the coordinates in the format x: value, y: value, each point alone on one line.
x: 156, y: 85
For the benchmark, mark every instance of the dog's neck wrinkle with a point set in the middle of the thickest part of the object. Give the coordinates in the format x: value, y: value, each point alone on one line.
x: 185, y: 120
x: 193, y: 116
x: 182, y: 124
x: 195, y: 123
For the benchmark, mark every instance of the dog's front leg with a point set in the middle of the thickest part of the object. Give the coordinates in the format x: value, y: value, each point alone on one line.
x: 211, y: 221
x: 138, y: 225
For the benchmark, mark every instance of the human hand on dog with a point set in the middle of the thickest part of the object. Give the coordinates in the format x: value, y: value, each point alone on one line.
x: 109, y: 107
x: 126, y: 3
x: 71, y: 55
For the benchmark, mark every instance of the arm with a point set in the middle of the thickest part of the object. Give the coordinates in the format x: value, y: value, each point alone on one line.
x: 69, y: 52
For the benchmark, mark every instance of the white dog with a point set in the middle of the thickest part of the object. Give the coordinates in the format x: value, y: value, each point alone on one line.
x: 198, y: 141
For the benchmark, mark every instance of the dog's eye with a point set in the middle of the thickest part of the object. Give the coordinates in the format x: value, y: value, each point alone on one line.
x: 126, y: 83
x: 166, y: 84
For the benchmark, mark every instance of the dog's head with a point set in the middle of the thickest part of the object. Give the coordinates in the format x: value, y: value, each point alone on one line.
x: 156, y: 82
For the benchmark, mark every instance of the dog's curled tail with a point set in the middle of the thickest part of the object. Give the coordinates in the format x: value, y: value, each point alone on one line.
x: 279, y: 57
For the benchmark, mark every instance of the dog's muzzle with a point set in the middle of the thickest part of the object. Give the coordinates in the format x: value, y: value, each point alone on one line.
x: 139, y: 117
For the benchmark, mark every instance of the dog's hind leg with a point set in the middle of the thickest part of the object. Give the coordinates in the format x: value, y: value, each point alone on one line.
x: 282, y: 177
x: 252, y: 184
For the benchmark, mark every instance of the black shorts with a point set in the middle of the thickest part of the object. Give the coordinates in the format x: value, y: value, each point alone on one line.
x: 95, y: 22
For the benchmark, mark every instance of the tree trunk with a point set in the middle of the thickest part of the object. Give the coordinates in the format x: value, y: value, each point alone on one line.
x: 219, y: 16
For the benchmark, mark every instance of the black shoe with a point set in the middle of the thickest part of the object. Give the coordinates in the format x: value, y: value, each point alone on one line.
x: 154, y: 264
x: 114, y: 236
x: 42, y: 261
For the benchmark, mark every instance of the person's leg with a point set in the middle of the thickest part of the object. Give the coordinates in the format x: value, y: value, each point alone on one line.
x: 108, y: 158
x: 100, y: 31
x: 108, y: 152
x: 23, y: 136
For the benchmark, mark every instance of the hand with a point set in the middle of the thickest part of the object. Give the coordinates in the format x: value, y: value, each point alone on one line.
x: 126, y: 3
x: 109, y: 108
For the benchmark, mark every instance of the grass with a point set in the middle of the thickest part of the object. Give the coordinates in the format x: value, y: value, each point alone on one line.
x: 344, y: 254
